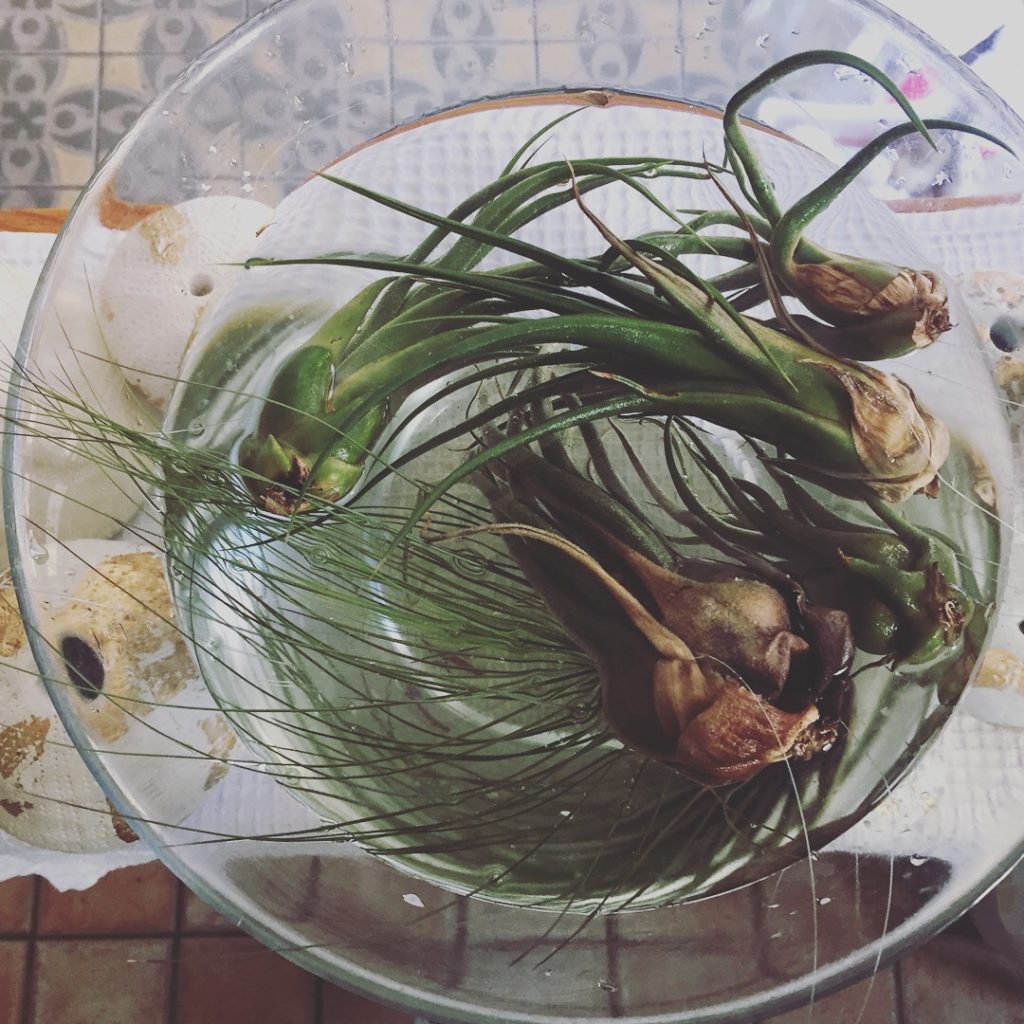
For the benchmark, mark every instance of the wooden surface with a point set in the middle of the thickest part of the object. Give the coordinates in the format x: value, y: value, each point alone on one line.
x: 38, y: 221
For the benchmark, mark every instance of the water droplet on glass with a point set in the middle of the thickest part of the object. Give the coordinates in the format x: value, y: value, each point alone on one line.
x: 204, y: 187
x: 772, y: 906
x: 565, y: 814
x: 942, y: 178
x: 775, y: 935
x: 607, y: 986
x: 248, y: 187
x: 714, y: 3
x: 197, y: 428
x: 843, y: 74
x: 579, y: 711
x: 412, y: 899
x: 908, y: 64
x: 825, y: 901
x: 794, y: 31
x: 38, y: 553
x: 762, y: 41
x: 211, y: 148
x: 917, y: 860
x: 548, y: 973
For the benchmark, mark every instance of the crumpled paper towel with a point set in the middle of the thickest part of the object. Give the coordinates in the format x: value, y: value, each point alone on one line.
x: 21, y: 259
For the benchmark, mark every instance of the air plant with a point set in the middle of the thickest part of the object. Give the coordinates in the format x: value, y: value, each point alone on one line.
x: 883, y: 310
x: 496, y: 650
x: 737, y: 664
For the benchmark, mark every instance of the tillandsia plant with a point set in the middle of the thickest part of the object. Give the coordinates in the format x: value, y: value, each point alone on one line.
x: 883, y: 310
x: 618, y: 605
x: 741, y: 664
x: 631, y: 332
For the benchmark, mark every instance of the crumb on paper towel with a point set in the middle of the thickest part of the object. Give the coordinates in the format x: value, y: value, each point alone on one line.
x: 12, y: 630
x: 222, y: 741
x: 22, y: 742
x: 1000, y: 669
x: 982, y: 482
x: 166, y: 232
x: 15, y: 807
x: 122, y: 829
x: 1009, y: 375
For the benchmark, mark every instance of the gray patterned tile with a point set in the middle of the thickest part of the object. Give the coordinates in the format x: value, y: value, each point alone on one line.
x: 168, y: 26
x: 49, y: 26
x: 47, y: 119
x: 128, y: 84
x: 463, y: 20
x: 44, y: 196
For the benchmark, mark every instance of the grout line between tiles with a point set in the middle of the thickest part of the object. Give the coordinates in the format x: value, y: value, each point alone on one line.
x: 99, y: 86
x: 318, y: 1001
x: 901, y: 1006
x: 536, y: 42
x: 174, y: 969
x: 389, y: 30
x: 28, y: 993
x: 103, y: 936
x: 613, y: 982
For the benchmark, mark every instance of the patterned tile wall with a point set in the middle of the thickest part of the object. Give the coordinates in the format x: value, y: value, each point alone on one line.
x: 74, y: 75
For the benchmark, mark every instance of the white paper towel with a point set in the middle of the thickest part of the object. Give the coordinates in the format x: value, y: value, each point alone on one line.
x: 21, y: 259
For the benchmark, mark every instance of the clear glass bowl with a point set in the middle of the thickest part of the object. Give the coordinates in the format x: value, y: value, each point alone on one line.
x: 312, y: 81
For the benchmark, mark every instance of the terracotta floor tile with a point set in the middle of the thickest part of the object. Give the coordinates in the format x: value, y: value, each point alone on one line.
x: 259, y: 986
x: 12, y: 973
x: 955, y: 978
x: 200, y: 917
x: 341, y: 1007
x: 132, y: 900
x: 101, y: 981
x: 16, y: 905
x: 872, y: 1001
